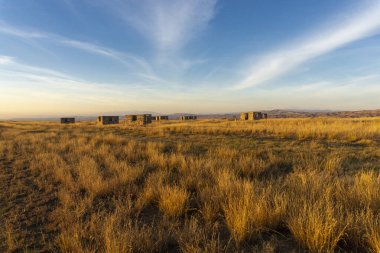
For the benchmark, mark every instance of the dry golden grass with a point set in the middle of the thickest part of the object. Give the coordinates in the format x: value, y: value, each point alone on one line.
x: 373, y: 231
x: 307, y: 128
x: 317, y: 226
x: 278, y: 185
x: 172, y: 201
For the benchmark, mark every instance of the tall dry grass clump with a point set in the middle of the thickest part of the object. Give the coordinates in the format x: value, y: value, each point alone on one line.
x: 372, y: 226
x: 364, y: 191
x: 173, y: 200
x: 360, y: 194
x: 237, y: 212
x: 315, y: 218
x: 317, y: 226
x: 249, y: 211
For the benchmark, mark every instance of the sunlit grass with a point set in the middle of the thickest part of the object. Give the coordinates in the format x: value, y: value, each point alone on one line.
x: 202, y: 186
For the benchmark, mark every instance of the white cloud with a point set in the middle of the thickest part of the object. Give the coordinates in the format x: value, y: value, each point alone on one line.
x: 183, y: 20
x: 17, y: 73
x: 26, y: 34
x: 5, y: 60
x: 85, y: 46
x: 22, y: 75
x: 38, y: 90
x: 130, y: 60
x: 92, y: 48
x: 41, y: 91
x: 136, y: 63
x: 364, y: 24
x: 169, y: 24
x: 70, y: 5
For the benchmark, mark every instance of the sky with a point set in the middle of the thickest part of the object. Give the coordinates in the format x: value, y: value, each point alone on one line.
x: 88, y: 57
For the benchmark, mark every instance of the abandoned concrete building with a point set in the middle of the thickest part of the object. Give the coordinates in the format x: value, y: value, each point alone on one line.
x: 67, y: 120
x: 140, y: 119
x: 244, y: 116
x: 158, y: 118
x: 188, y: 117
x: 253, y: 115
x: 108, y: 120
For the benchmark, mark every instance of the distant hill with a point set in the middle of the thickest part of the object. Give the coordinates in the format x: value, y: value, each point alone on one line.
x: 278, y: 113
x: 300, y: 114
x: 308, y: 114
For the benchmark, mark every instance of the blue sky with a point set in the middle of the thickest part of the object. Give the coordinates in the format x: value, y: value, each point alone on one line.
x: 82, y: 57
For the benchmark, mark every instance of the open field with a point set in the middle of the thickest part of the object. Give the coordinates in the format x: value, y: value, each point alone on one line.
x: 276, y: 185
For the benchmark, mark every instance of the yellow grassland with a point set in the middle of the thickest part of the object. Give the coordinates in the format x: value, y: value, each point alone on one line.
x: 276, y: 185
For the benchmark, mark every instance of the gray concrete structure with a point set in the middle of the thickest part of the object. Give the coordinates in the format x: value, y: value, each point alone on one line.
x: 108, y: 120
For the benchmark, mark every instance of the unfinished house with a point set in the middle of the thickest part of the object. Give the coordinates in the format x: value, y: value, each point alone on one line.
x: 67, y: 120
x: 108, y: 120
x: 188, y: 117
x: 244, y: 116
x: 252, y: 115
x: 159, y: 118
x: 140, y: 119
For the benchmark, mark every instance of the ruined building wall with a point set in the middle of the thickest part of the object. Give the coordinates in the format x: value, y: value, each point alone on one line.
x: 67, y: 120
x: 253, y: 115
x: 158, y: 118
x: 188, y: 117
x: 243, y: 116
x: 140, y: 119
x: 108, y: 120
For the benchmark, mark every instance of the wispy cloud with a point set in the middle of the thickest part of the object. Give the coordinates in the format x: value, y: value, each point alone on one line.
x: 92, y: 48
x: 23, y: 85
x: 130, y: 60
x: 5, y: 60
x: 33, y: 89
x: 70, y: 5
x: 364, y: 24
x: 14, y: 72
x: 137, y: 63
x: 168, y: 24
x: 5, y: 28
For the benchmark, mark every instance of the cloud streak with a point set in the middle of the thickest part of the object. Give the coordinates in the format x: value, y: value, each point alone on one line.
x: 33, y: 89
x: 130, y: 60
x: 13, y: 73
x: 282, y: 61
x: 26, y: 34
x: 4, y: 60
x: 168, y: 24
x: 137, y: 65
